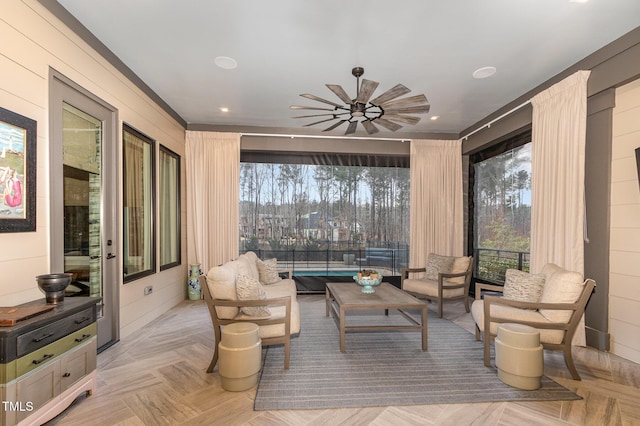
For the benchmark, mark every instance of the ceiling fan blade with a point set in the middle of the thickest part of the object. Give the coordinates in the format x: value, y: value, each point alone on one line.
x: 394, y: 92
x: 316, y: 98
x: 388, y: 124
x: 406, y: 102
x: 313, y: 108
x: 333, y: 126
x: 318, y: 122
x: 321, y: 115
x: 369, y: 127
x: 407, y: 119
x: 409, y: 110
x: 339, y: 91
x: 351, y: 128
x: 366, y: 90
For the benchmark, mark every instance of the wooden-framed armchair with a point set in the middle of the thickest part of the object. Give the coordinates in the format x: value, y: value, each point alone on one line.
x: 452, y: 283
x: 489, y: 311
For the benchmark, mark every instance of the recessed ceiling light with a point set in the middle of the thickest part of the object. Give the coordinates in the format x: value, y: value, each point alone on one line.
x: 484, y: 72
x: 578, y: 1
x: 435, y: 117
x: 224, y: 109
x: 226, y: 62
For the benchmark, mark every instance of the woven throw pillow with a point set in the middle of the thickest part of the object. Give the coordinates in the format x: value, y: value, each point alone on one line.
x: 248, y: 288
x: 268, y: 271
x: 523, y: 286
x: 437, y: 264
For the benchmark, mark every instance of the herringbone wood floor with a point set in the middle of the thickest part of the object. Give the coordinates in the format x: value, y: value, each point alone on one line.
x: 158, y: 378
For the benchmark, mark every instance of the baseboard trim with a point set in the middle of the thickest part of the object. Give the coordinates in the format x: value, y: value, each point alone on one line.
x: 598, y: 339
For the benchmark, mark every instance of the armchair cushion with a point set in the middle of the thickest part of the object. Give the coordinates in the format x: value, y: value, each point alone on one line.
x: 561, y: 286
x: 268, y: 271
x: 460, y: 265
x: 430, y: 288
x: 437, y: 264
x: 248, y: 288
x: 523, y: 286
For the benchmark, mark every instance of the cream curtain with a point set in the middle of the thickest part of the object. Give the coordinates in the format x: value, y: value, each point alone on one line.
x: 213, y: 179
x: 168, y: 202
x: 436, y: 216
x: 557, y: 181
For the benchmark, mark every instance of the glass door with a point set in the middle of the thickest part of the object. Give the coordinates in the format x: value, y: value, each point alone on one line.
x: 84, y: 203
x: 81, y: 159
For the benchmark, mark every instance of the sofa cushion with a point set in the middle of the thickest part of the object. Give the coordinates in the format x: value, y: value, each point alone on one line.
x: 222, y: 285
x: 437, y: 264
x: 523, y: 286
x: 281, y: 289
x: 561, y: 286
x: 268, y: 271
x: 247, y: 266
x: 276, y: 330
x: 460, y: 265
x: 248, y: 288
x: 511, y: 313
x: 252, y: 260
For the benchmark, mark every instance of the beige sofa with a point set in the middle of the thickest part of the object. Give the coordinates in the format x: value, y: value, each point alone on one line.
x: 229, y: 304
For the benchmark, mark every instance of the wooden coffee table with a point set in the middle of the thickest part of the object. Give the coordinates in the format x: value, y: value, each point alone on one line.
x: 343, y: 297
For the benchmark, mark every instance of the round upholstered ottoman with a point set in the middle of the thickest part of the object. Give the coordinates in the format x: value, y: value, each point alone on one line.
x: 519, y: 357
x: 240, y: 356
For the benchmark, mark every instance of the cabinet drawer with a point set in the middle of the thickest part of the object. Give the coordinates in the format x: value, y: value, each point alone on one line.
x: 42, y: 336
x: 38, y: 388
x: 43, y: 355
x: 78, y: 363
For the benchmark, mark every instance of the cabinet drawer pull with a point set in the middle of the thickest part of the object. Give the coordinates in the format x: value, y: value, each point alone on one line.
x: 83, y: 319
x: 84, y: 337
x: 66, y: 375
x: 43, y: 359
x: 40, y: 339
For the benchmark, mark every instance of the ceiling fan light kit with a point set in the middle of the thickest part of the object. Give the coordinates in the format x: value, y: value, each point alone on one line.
x: 386, y: 110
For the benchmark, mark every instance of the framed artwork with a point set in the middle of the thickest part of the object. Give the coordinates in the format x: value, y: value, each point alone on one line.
x: 17, y: 172
x: 638, y: 163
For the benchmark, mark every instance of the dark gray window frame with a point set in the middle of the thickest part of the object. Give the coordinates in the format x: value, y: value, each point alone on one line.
x: 178, y: 262
x: 152, y: 194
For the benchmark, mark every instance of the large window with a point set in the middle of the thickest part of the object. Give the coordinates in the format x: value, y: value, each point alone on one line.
x: 138, y: 193
x: 169, y: 204
x: 502, y: 209
x: 326, y: 219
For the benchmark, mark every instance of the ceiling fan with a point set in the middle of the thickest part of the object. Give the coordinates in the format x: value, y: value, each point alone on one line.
x: 385, y: 110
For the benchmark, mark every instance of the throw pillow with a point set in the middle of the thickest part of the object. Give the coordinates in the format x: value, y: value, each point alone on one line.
x: 562, y: 286
x: 460, y: 265
x: 523, y: 286
x: 248, y: 288
x: 437, y: 264
x: 268, y: 271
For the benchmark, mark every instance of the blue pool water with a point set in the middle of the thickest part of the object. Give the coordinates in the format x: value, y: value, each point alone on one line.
x: 334, y: 273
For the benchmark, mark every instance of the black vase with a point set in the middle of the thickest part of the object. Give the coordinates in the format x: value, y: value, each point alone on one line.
x: 53, y: 286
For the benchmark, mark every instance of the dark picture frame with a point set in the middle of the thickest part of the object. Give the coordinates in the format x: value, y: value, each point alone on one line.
x: 17, y: 172
x: 638, y: 163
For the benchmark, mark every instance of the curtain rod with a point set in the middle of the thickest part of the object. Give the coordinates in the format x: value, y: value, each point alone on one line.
x: 466, y: 137
x: 276, y: 135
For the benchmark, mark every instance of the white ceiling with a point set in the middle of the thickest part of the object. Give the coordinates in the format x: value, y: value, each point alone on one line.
x: 288, y: 47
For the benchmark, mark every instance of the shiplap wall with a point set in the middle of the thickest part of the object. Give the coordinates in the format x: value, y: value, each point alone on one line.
x: 33, y: 40
x: 624, y: 285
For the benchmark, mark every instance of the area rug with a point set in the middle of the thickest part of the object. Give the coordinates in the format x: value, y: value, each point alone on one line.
x: 384, y: 368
